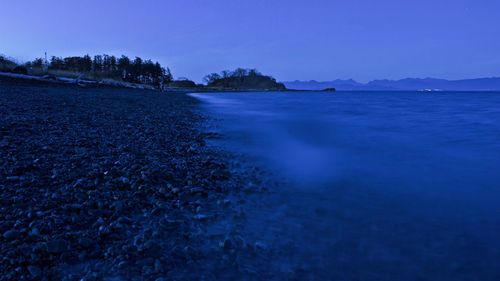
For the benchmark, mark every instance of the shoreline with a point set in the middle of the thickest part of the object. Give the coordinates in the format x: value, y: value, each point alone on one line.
x: 103, y: 183
x: 21, y: 78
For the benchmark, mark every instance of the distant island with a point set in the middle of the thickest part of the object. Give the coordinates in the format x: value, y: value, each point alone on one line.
x: 243, y: 79
x: 408, y: 84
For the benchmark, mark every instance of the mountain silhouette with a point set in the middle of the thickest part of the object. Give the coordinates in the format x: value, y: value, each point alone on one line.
x: 408, y: 84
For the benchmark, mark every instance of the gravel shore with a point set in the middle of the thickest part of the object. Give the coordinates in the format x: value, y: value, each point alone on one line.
x: 112, y: 184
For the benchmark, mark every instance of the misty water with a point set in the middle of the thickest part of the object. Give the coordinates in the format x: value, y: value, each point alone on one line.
x: 375, y: 185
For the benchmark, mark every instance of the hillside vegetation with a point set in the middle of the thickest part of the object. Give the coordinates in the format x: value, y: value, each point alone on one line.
x: 116, y: 70
x: 100, y: 67
x: 6, y: 64
x: 243, y: 79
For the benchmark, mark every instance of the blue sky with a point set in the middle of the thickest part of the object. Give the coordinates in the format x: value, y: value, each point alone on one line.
x: 323, y: 40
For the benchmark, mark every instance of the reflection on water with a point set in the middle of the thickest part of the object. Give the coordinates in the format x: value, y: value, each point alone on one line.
x: 382, y: 186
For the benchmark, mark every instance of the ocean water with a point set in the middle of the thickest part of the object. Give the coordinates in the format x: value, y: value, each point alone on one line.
x: 376, y: 185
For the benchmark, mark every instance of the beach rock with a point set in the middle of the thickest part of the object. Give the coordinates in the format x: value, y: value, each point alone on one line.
x: 259, y: 245
x: 35, y: 271
x: 85, y: 242
x: 12, y: 234
x: 201, y: 217
x: 227, y: 244
x: 197, y: 190
x: 73, y: 207
x: 151, y: 249
x: 34, y: 232
x: 79, y: 183
x: 122, y: 264
x: 57, y: 246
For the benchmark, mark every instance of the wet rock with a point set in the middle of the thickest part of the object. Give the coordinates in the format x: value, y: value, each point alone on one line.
x: 34, y: 232
x: 259, y: 245
x: 35, y: 271
x: 118, y: 206
x: 151, y: 249
x: 122, y: 264
x: 158, y: 266
x: 169, y: 224
x: 73, y: 207
x: 85, y: 242
x: 227, y: 244
x: 12, y: 234
x: 79, y: 183
x: 104, y: 230
x: 124, y: 220
x: 201, y: 217
x: 4, y: 143
x: 197, y: 190
x: 57, y: 246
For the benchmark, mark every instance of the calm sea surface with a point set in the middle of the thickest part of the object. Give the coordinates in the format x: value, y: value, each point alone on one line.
x: 379, y: 186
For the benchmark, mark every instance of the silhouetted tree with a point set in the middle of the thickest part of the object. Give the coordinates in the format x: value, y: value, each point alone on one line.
x: 136, y: 71
x: 112, y: 64
x: 37, y: 63
x: 56, y: 63
x: 6, y: 64
x: 211, y: 78
x: 86, y: 63
x: 124, y: 67
x: 97, y: 64
x: 168, y: 77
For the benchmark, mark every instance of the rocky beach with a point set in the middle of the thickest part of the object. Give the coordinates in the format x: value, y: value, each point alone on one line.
x: 103, y: 183
x: 107, y: 183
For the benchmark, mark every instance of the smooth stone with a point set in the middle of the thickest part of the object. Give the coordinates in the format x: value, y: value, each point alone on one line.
x: 56, y: 246
x: 35, y: 271
x: 201, y: 217
x: 11, y: 234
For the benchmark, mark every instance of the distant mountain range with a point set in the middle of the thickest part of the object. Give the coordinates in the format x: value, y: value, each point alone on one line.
x: 408, y: 84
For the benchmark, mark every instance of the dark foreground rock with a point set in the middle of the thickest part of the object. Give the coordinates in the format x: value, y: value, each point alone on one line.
x: 109, y: 184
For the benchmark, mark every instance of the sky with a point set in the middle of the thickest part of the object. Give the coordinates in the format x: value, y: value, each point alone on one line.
x: 289, y: 39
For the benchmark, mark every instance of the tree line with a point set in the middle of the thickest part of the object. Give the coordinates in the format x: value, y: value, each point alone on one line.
x: 6, y: 64
x: 134, y: 71
x: 139, y: 71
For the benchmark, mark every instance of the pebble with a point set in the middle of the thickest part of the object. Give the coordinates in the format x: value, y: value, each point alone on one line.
x: 11, y: 234
x: 34, y: 232
x: 226, y: 244
x: 78, y: 183
x: 201, y: 217
x: 57, y: 246
x: 122, y: 264
x: 85, y: 242
x: 35, y: 271
x: 123, y: 180
x: 260, y: 245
